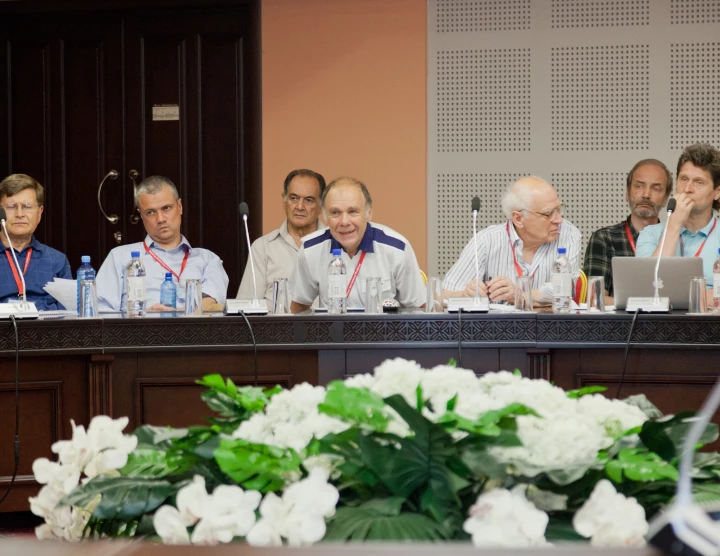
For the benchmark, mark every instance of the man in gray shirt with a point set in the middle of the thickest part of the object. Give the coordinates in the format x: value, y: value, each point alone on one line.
x: 275, y: 254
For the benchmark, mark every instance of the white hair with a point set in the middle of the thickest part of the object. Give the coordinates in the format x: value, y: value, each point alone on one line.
x: 518, y: 195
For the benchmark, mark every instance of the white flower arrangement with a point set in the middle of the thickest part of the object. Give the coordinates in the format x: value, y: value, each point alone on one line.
x: 378, y: 435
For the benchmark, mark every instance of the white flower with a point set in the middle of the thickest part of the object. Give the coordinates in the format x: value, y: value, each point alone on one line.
x: 192, y: 501
x: 366, y: 380
x: 614, y: 415
x: 170, y: 526
x: 61, y: 477
x: 611, y: 519
x: 501, y: 518
x: 561, y: 444
x: 398, y: 376
x: 299, y: 516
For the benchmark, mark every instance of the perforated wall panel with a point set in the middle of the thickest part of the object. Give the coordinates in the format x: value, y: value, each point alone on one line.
x: 460, y: 16
x: 608, y: 13
x: 600, y: 97
x: 694, y: 11
x: 577, y: 191
x: 455, y: 193
x: 694, y: 93
x: 483, y: 100
x: 574, y: 91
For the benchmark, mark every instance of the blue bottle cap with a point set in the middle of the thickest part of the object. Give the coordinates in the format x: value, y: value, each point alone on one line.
x: 336, y: 252
x: 562, y: 250
x: 85, y: 259
x: 168, y: 276
x: 135, y: 254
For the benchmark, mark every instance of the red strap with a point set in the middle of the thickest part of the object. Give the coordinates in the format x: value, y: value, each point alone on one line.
x: 18, y: 281
x: 682, y: 245
x: 518, y: 268
x: 166, y: 267
x: 355, y: 275
x: 629, y: 236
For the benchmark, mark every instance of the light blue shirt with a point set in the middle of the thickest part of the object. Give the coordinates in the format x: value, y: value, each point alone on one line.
x: 688, y: 245
x: 201, y: 265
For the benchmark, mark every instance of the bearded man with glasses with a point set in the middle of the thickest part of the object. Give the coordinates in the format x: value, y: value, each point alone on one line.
x: 525, y: 244
x: 23, y: 197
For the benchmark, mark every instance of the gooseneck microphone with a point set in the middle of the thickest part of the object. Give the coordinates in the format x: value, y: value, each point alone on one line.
x: 475, y: 210
x: 244, y: 212
x: 672, y: 203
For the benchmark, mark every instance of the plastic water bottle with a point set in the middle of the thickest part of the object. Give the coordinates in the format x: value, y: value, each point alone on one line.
x: 85, y: 272
x: 135, y: 286
x: 716, y: 285
x: 337, y: 284
x: 561, y: 283
x: 168, y: 291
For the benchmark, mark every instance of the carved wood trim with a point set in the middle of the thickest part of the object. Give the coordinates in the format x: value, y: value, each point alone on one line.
x: 100, y: 385
x: 539, y: 363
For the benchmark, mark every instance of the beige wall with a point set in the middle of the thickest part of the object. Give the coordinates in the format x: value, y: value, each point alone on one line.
x: 345, y: 92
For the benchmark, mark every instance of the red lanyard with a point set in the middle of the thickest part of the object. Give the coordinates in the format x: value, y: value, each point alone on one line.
x: 14, y: 270
x: 166, y: 267
x: 682, y: 245
x: 629, y: 236
x: 518, y: 269
x: 355, y: 275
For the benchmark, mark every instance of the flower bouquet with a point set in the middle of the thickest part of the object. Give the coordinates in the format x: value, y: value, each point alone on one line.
x: 403, y: 454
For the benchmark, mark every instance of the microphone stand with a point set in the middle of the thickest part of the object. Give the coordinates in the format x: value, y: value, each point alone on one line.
x: 252, y: 306
x: 24, y: 309
x: 477, y: 304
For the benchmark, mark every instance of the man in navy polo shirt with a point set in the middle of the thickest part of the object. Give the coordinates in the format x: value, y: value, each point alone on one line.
x: 23, y: 197
x: 369, y: 251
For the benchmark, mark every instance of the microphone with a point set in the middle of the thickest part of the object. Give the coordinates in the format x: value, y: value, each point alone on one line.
x: 252, y: 306
x: 477, y: 304
x: 23, y: 309
x: 672, y: 203
x: 475, y: 210
x: 657, y: 304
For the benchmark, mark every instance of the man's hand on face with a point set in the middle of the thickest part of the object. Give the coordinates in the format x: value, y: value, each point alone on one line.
x: 683, y: 208
x: 501, y: 288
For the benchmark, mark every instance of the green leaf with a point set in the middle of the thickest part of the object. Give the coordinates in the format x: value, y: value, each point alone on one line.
x: 122, y: 497
x: 148, y: 462
x: 452, y: 362
x: 575, y: 394
x: 482, y: 464
x: 638, y: 464
x: 256, y: 466
x: 417, y: 464
x: 656, y: 440
x: 704, y: 493
x: 161, y: 437
x: 354, y: 405
x: 643, y: 404
x: 367, y: 523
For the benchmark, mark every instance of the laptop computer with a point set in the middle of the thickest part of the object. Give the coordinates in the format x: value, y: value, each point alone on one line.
x: 635, y: 276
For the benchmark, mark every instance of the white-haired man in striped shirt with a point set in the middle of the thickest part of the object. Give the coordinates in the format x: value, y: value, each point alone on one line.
x: 525, y: 244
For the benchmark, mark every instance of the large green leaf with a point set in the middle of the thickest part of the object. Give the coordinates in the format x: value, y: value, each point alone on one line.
x: 256, y: 466
x: 417, y: 465
x: 381, y: 520
x: 159, y: 437
x: 231, y: 402
x: 147, y: 462
x: 355, y: 405
x: 643, y: 404
x: 586, y: 391
x: 122, y: 497
x: 638, y: 464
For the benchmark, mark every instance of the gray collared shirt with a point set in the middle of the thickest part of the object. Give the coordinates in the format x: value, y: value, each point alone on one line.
x: 275, y: 256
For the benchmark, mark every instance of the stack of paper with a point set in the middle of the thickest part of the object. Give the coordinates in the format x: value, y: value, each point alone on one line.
x: 65, y: 291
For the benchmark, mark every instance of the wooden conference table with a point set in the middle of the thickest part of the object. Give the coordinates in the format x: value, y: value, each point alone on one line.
x: 146, y: 368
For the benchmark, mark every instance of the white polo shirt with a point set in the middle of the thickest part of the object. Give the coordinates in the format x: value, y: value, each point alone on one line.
x: 389, y: 257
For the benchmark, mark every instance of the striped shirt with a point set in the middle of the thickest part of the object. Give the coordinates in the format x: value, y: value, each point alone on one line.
x: 495, y: 257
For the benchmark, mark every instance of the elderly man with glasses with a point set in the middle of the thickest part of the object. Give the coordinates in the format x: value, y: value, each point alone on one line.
x: 526, y: 244
x: 22, y: 198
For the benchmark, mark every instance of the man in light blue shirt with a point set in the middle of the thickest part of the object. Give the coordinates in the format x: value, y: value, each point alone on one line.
x: 165, y: 249
x: 692, y: 228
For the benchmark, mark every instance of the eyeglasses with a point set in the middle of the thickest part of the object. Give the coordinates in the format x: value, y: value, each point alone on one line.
x: 552, y: 214
x: 15, y: 207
